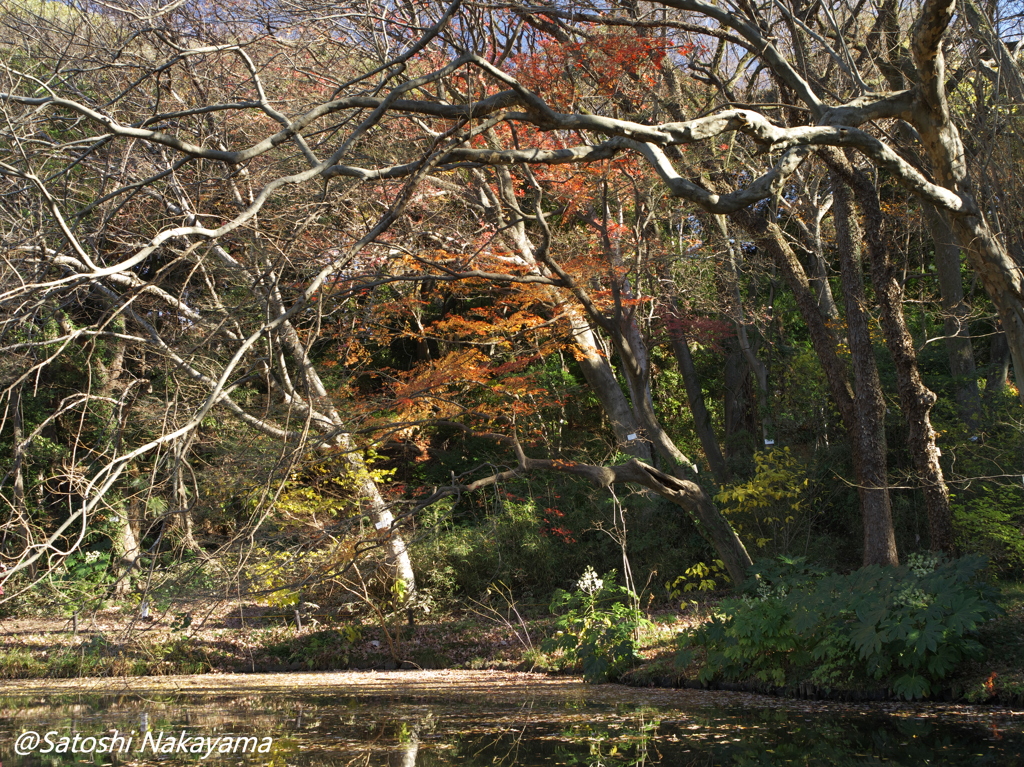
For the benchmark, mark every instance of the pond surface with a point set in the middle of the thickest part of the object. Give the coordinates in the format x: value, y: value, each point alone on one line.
x: 435, y: 719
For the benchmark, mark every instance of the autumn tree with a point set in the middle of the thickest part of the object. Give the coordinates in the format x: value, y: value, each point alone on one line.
x: 205, y: 192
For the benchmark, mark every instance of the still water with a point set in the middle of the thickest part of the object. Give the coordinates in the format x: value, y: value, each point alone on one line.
x: 435, y: 719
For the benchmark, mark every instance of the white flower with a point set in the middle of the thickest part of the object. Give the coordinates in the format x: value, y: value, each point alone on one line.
x: 589, y: 582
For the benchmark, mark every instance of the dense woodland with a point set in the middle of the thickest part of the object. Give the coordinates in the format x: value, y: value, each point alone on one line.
x: 330, y: 302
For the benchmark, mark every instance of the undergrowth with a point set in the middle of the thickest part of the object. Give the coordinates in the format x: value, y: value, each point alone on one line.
x: 909, y: 628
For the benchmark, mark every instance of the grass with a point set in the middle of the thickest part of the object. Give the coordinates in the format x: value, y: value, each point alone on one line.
x: 100, y: 657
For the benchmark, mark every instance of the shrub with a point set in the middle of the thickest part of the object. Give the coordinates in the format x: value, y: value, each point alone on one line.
x: 769, y: 511
x: 992, y: 524
x: 698, y: 577
x: 910, y: 626
x: 599, y: 628
x: 465, y: 557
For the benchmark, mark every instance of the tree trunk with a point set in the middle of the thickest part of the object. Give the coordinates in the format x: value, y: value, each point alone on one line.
x: 931, y: 115
x: 632, y: 352
x: 628, y: 342
x: 861, y: 419
x: 740, y: 425
x: 397, y: 554
x: 916, y: 400
x: 600, y: 376
x: 956, y: 315
x: 1003, y: 283
x: 593, y: 361
x: 124, y: 541
x: 694, y: 394
x: 181, y: 512
x: 21, y: 514
x: 368, y: 493
x: 819, y: 270
x: 125, y: 546
x: 743, y: 328
x: 869, y: 436
x: 999, y: 367
x: 633, y: 356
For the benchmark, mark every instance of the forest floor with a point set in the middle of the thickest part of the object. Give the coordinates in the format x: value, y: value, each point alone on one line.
x: 251, y: 639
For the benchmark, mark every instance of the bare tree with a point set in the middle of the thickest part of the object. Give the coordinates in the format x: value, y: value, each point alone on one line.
x: 108, y: 249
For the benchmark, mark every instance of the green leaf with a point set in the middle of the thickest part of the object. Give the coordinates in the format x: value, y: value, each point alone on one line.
x: 911, y: 686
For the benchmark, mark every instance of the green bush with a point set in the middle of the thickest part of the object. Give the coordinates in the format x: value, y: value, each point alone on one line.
x: 770, y: 510
x: 992, y: 524
x: 698, y: 577
x: 538, y: 538
x: 599, y: 628
x: 327, y: 649
x: 464, y: 557
x: 908, y: 626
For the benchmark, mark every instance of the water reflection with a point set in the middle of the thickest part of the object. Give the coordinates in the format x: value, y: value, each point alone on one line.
x: 318, y: 730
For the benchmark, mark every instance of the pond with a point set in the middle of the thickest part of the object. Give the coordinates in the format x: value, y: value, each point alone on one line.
x: 435, y: 719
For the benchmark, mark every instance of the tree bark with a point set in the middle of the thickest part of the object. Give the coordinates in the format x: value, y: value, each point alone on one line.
x: 396, y: 552
x: 743, y: 328
x: 694, y: 393
x: 819, y: 266
x: 956, y: 315
x: 916, y: 400
x: 397, y: 555
x: 125, y: 546
x: 1000, y: 275
x: 869, y: 444
x: 181, y: 511
x: 21, y: 516
x: 594, y: 363
x: 739, y: 406
x: 999, y: 367
x: 627, y: 340
x: 124, y: 540
x: 600, y: 376
x: 861, y: 416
